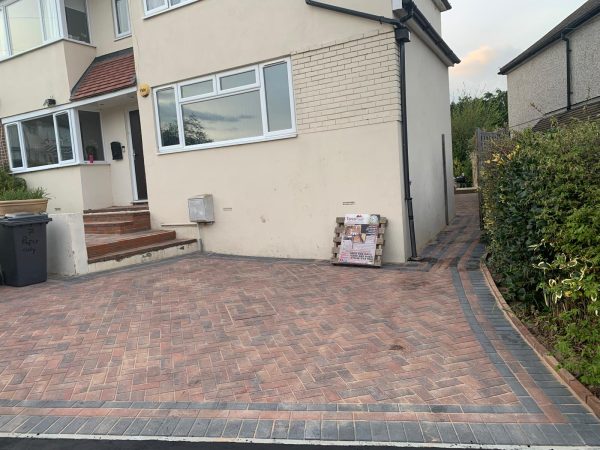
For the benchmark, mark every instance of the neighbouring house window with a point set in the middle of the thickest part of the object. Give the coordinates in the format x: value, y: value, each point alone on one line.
x: 91, y: 135
x: 154, y: 6
x: 77, y: 20
x: 121, y: 11
x: 27, y: 24
x: 14, y: 146
x: 247, y: 105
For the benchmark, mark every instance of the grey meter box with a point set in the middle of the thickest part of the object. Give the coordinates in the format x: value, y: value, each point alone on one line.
x: 201, y: 209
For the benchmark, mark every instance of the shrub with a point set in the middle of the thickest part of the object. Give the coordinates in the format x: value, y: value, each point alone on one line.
x: 542, y: 223
x: 15, y: 188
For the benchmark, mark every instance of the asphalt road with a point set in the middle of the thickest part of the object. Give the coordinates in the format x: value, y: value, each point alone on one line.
x: 68, y: 444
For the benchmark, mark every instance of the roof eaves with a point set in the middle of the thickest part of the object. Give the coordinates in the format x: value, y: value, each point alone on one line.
x: 583, y: 14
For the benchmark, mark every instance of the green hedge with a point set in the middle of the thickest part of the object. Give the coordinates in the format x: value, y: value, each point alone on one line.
x: 542, y: 224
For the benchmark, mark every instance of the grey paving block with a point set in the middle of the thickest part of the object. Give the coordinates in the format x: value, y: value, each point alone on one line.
x: 106, y: 425
x: 183, y: 427
x: 413, y: 432
x: 168, y: 426
x: 297, y: 429
x: 384, y: 407
x: 5, y: 419
x: 439, y: 409
x: 41, y: 427
x: 152, y: 427
x: 280, y: 429
x: 534, y: 434
x: 120, y: 427
x: 447, y: 433
x: 90, y: 425
x: 118, y: 405
x: 363, y: 431
x: 31, y: 422
x: 352, y: 407
x: 430, y: 432
x: 135, y: 429
x: 59, y: 425
x: 379, y: 431
x: 232, y: 428
x: 396, y: 432
x: 216, y: 427
x: 499, y: 434
x: 248, y: 428
x: 346, y: 430
x: 482, y: 434
x: 199, y: 428
x: 312, y: 430
x: 73, y: 426
x: 516, y: 434
x: 291, y: 407
x: 321, y: 407
x: 586, y: 418
x: 264, y: 429
x: 570, y: 436
x: 329, y: 430
x: 587, y: 434
x: 552, y: 434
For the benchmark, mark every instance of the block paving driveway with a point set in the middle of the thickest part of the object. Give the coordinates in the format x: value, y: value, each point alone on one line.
x: 217, y: 347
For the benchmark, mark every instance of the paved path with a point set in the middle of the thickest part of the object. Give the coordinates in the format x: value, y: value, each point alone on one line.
x: 215, y: 347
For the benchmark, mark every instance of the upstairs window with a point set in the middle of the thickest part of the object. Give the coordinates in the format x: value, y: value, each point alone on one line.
x: 121, y: 15
x: 27, y: 24
x: 154, y: 6
x: 236, y: 107
x: 77, y: 20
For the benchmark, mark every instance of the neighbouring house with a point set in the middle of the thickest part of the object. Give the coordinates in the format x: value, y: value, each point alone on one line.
x: 557, y: 79
x: 288, y: 113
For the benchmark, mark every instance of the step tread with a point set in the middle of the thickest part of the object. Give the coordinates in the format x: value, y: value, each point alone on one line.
x: 140, y: 250
x: 113, y: 209
x: 93, y: 240
x: 109, y: 223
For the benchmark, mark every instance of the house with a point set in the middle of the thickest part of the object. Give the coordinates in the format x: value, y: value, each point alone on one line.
x: 558, y: 77
x: 288, y: 113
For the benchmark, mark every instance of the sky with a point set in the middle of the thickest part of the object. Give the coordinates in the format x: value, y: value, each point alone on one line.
x: 486, y: 34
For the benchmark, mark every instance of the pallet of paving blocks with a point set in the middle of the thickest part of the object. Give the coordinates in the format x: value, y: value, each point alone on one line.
x: 359, y: 240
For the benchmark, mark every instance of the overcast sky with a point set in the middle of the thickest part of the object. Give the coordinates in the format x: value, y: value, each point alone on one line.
x: 486, y: 34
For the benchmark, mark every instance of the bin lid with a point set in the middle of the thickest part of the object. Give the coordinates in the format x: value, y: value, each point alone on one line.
x: 20, y: 219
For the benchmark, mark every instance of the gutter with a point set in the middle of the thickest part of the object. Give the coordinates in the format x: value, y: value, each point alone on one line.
x: 537, y: 48
x: 402, y: 36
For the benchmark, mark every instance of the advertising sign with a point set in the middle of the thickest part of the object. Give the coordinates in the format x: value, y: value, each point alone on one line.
x: 359, y: 239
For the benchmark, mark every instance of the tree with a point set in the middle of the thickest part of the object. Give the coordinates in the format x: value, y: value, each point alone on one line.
x: 488, y: 112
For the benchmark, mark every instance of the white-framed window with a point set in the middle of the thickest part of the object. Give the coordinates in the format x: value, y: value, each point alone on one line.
x: 245, y: 105
x: 45, y: 141
x: 29, y: 24
x: 121, y: 18
x: 155, y: 6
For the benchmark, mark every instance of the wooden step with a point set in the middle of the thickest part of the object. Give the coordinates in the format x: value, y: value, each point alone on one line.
x: 136, y: 207
x: 116, y: 227
x: 123, y: 254
x: 99, y: 245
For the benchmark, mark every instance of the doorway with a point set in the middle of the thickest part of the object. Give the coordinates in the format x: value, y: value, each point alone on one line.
x: 139, y: 168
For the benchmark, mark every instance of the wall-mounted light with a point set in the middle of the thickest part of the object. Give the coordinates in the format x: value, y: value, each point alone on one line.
x: 49, y: 102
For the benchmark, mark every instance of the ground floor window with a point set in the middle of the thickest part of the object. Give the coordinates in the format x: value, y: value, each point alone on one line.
x: 226, y: 108
x: 50, y: 140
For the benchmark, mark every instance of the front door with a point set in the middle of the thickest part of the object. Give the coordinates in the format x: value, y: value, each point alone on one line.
x: 138, y: 155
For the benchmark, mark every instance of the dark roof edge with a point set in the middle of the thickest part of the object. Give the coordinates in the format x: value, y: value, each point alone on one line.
x: 415, y: 13
x: 96, y: 60
x: 548, y: 40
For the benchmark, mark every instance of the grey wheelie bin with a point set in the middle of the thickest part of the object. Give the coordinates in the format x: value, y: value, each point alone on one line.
x: 23, y: 249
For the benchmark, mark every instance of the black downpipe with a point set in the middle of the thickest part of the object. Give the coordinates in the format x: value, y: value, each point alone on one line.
x: 568, y: 49
x: 402, y: 36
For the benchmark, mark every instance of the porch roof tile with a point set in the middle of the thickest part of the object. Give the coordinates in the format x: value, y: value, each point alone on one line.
x: 107, y: 73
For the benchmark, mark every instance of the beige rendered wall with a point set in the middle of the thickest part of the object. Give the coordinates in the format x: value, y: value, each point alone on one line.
x: 433, y: 14
x: 63, y: 186
x: 585, y: 61
x: 537, y: 87
x: 102, y: 28
x: 115, y: 129
x: 429, y: 117
x: 96, y: 186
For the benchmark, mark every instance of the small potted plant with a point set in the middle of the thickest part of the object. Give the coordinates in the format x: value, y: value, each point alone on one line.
x: 16, y: 197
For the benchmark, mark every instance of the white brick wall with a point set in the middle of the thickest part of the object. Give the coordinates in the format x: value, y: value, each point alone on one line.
x: 347, y: 84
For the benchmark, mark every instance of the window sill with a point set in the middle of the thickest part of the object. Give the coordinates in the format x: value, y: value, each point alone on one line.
x: 228, y: 144
x: 172, y: 8
x: 124, y: 36
x: 57, y: 166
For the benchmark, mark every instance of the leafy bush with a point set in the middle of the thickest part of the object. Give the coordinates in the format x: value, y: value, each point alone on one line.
x: 15, y: 188
x: 542, y: 223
